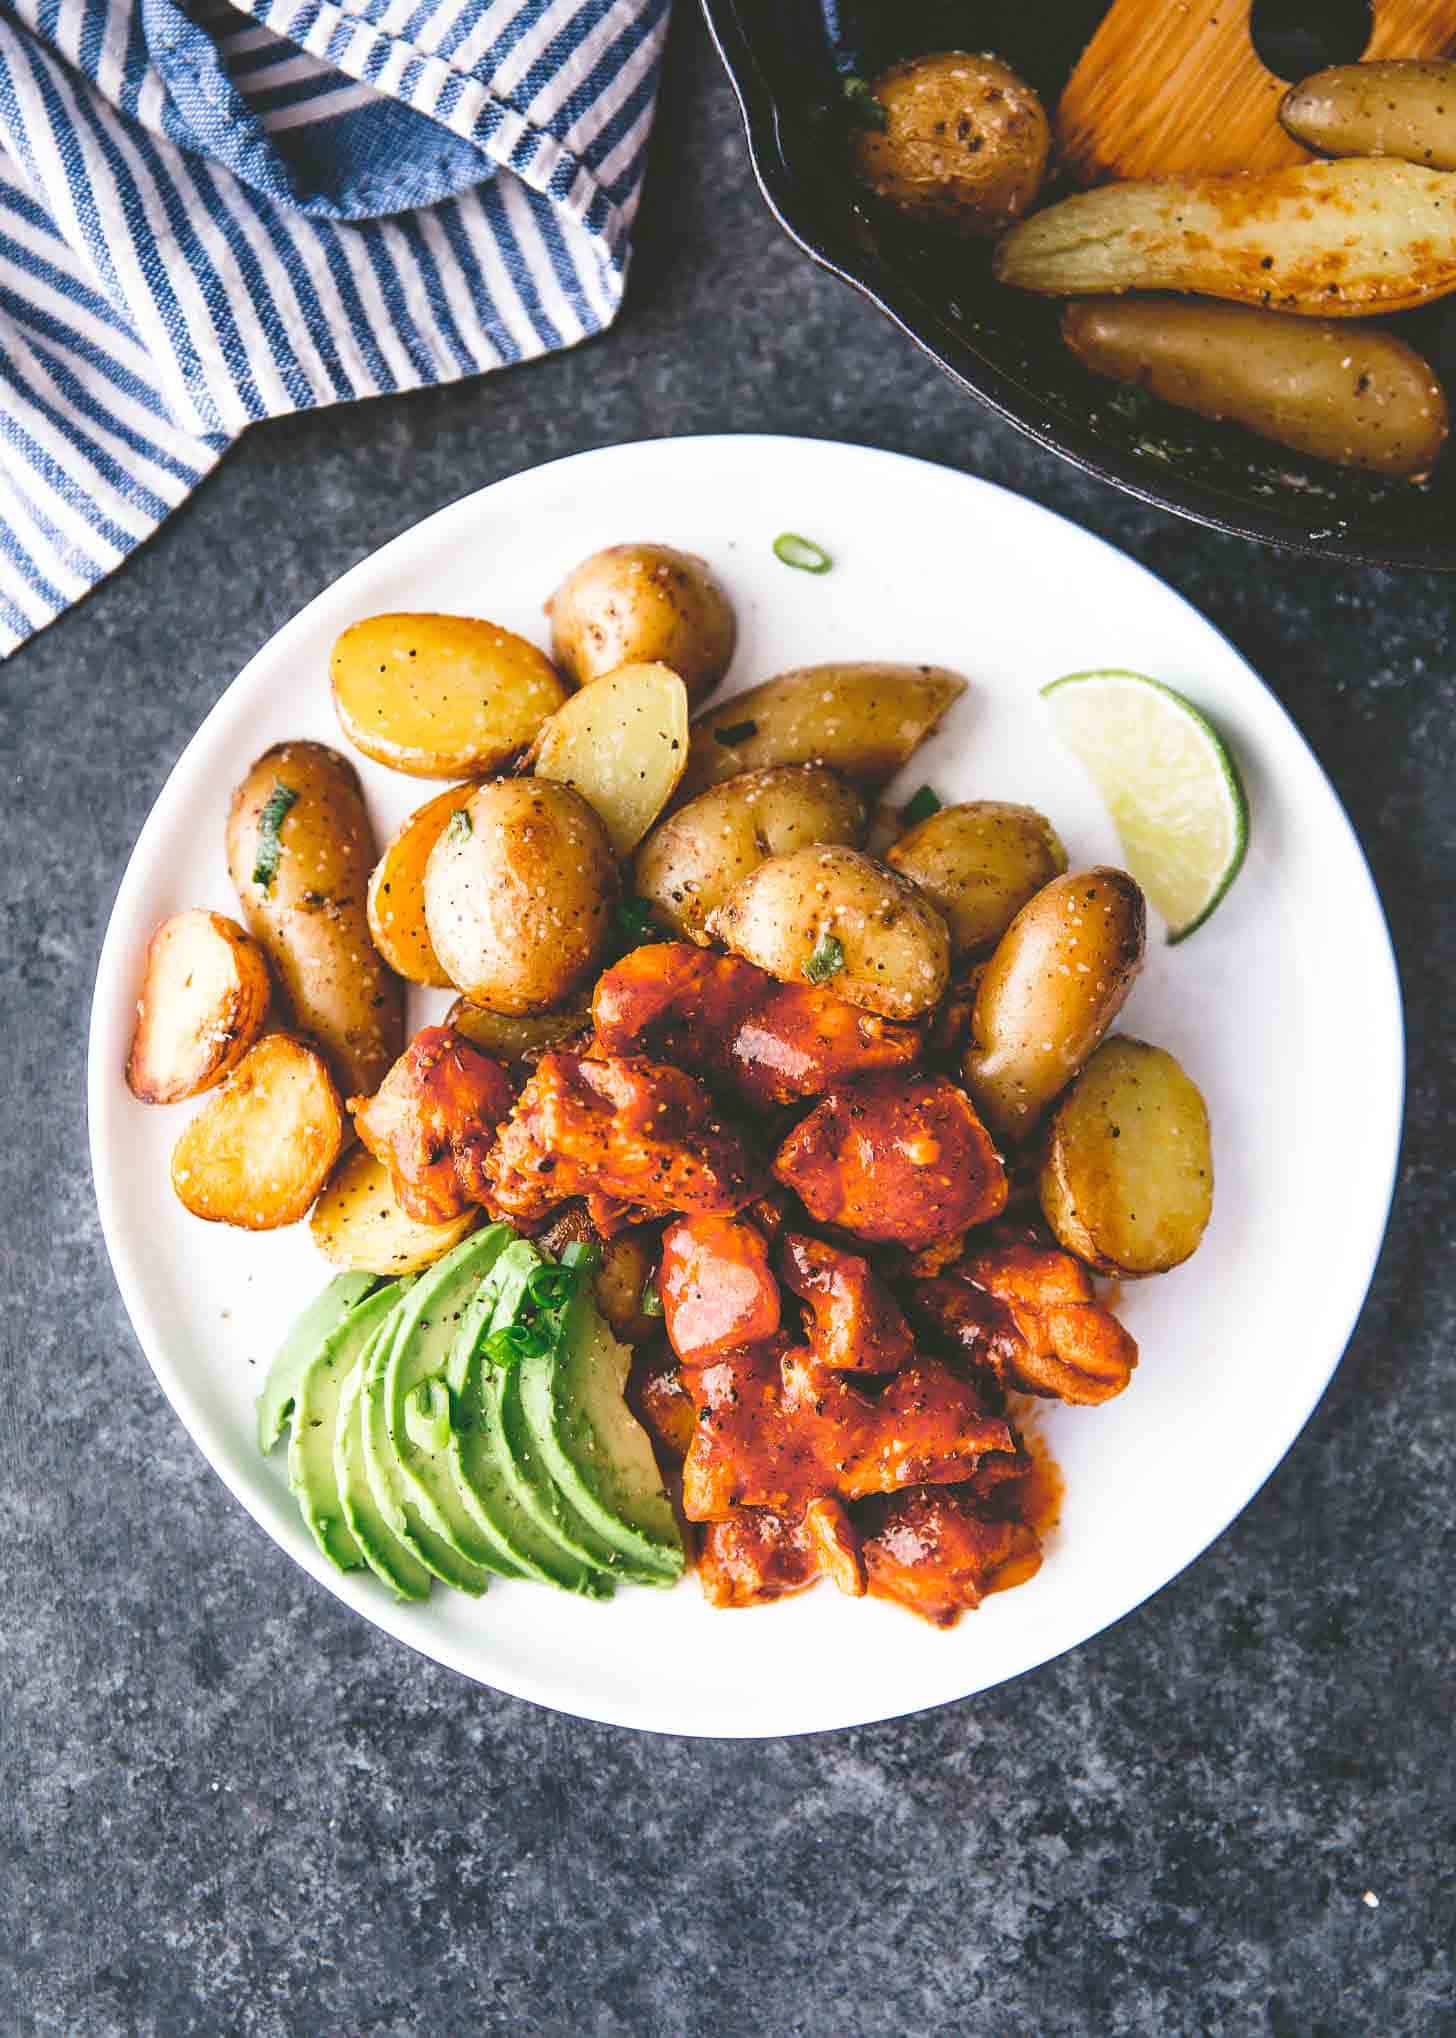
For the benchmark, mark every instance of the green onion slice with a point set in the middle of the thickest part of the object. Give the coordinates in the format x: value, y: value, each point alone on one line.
x: 802, y: 553
x: 459, y: 825
x: 650, y: 1301
x: 270, y: 842
x: 925, y: 803
x: 735, y: 732
x: 826, y: 961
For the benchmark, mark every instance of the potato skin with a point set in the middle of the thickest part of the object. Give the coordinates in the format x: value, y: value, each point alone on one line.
x: 643, y: 605
x: 1391, y: 107
x: 862, y: 718
x: 441, y: 696
x: 204, y: 1001
x: 261, y: 1148
x: 965, y: 142
x: 622, y: 743
x: 517, y: 904
x: 311, y: 917
x: 513, y: 1036
x: 396, y: 898
x: 691, y: 861
x: 979, y: 863
x: 1127, y: 1179
x: 1353, y: 396
x: 895, y: 947
x: 1056, y: 980
x: 357, y: 1222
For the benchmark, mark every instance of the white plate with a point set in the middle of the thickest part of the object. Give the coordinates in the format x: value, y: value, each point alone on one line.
x: 1261, y: 1006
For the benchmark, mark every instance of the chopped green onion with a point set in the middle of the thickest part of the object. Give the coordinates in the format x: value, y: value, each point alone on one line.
x: 512, y: 1343
x: 459, y: 825
x: 580, y: 1253
x: 634, y: 922
x: 921, y: 807
x: 735, y: 732
x: 802, y: 553
x: 650, y: 1301
x: 864, y: 108
x: 826, y: 961
x: 270, y: 843
x: 548, y: 1287
x: 427, y: 1415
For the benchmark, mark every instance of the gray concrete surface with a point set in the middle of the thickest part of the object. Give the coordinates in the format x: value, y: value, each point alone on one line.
x: 227, y: 1805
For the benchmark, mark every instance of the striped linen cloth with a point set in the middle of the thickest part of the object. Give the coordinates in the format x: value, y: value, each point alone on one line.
x: 227, y: 210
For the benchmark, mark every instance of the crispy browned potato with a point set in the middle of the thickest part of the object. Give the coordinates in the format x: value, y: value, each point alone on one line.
x: 357, y: 1222
x: 692, y: 860
x: 518, y: 900
x: 1392, y: 107
x: 1349, y: 394
x: 979, y: 863
x: 441, y: 696
x: 396, y: 900
x: 862, y: 719
x: 204, y: 1001
x: 622, y: 743
x: 643, y: 605
x: 300, y: 850
x: 1056, y: 980
x: 260, y: 1149
x: 1337, y: 240
x: 511, y: 1036
x: 964, y: 142
x: 1127, y: 1181
x: 834, y: 916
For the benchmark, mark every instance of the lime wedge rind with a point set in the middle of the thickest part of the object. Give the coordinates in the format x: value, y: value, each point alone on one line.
x: 1168, y: 778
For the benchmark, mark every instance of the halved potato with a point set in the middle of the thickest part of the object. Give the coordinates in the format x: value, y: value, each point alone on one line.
x: 358, y: 1224
x: 509, y: 1036
x: 397, y: 891
x: 622, y: 743
x: 979, y: 863
x: 260, y: 1149
x: 862, y: 719
x: 636, y: 604
x: 441, y: 696
x: 1340, y: 240
x: 1127, y: 1181
x: 204, y: 1001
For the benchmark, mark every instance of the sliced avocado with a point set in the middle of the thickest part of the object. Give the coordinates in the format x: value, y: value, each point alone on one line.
x: 386, y: 1482
x: 315, y: 1416
x: 417, y: 1357
x: 382, y: 1550
x: 596, y: 1451
x: 299, y: 1349
x: 485, y: 1473
x: 545, y: 1501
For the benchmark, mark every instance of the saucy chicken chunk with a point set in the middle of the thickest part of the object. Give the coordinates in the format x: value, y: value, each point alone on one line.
x: 717, y: 1290
x: 636, y: 1138
x: 856, y: 1325
x: 1028, y: 1315
x: 895, y: 1159
x: 432, y: 1123
x: 932, y: 1549
x: 774, y: 1042
x: 756, y: 1555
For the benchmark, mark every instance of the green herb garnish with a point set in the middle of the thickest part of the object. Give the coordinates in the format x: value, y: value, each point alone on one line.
x: 634, y: 923
x: 924, y: 804
x: 826, y: 961
x: 270, y: 842
x: 864, y: 109
x: 650, y: 1300
x: 735, y: 732
x: 801, y: 553
x: 530, y: 1316
x: 459, y: 825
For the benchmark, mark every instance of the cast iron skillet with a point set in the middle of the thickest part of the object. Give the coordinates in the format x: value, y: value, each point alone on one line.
x: 788, y: 60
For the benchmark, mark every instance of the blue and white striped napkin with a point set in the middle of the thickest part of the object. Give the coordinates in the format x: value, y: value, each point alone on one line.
x: 221, y: 211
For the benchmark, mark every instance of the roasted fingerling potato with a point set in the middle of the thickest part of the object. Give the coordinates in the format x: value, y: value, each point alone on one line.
x: 300, y: 851
x: 441, y: 696
x: 204, y: 1001
x: 518, y: 895
x: 261, y: 1148
x: 964, y: 142
x: 622, y: 743
x: 1390, y: 107
x: 513, y: 1036
x: 978, y: 863
x: 835, y: 917
x: 358, y: 1223
x: 1352, y: 395
x: 1055, y: 982
x: 1330, y: 239
x: 692, y: 860
x: 861, y: 718
x: 396, y: 900
x: 643, y: 605
x: 1127, y: 1179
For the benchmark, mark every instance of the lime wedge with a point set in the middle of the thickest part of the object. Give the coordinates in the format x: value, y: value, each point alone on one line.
x: 1170, y: 784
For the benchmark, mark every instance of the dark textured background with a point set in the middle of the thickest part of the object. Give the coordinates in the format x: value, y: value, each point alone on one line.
x: 227, y: 1805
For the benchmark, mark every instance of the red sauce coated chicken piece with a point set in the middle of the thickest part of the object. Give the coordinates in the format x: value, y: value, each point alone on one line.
x: 897, y: 1160
x: 1029, y: 1316
x: 717, y: 1290
x: 775, y: 1042
x: 856, y: 1325
x: 931, y: 1549
x: 432, y: 1123
x: 636, y: 1138
x: 756, y: 1555
x: 779, y: 1431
